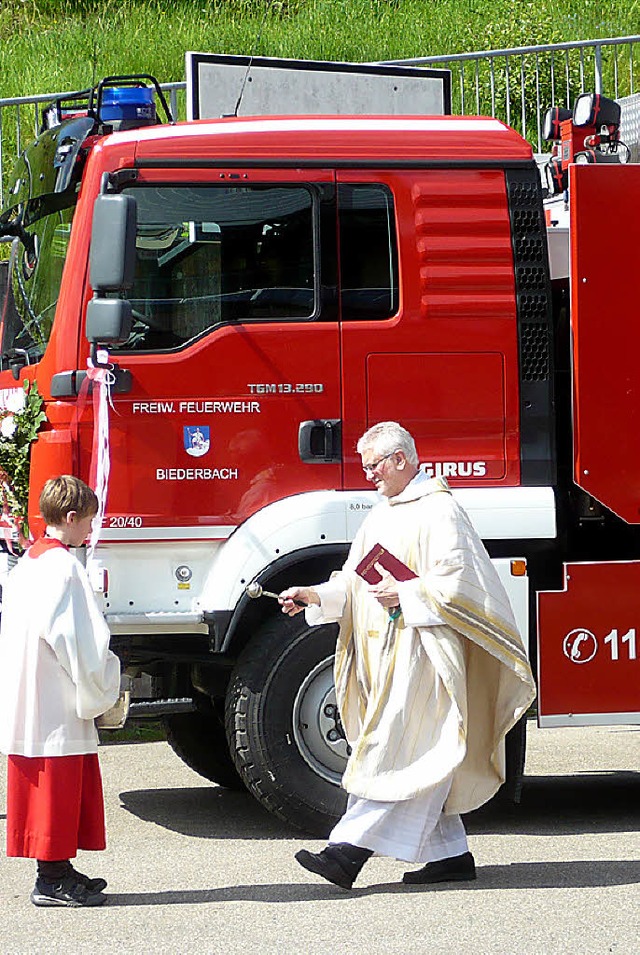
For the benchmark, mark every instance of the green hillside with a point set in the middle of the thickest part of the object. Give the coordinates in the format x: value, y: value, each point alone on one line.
x: 50, y: 45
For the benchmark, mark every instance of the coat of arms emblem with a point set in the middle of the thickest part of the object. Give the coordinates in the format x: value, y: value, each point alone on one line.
x: 196, y: 440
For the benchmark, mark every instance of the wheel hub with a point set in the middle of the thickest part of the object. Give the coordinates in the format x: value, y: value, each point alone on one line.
x: 317, y: 727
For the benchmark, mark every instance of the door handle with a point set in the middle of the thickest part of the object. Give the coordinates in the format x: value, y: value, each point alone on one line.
x: 67, y: 384
x: 320, y: 441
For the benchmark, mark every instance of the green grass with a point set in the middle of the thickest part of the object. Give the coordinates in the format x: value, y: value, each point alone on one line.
x: 50, y: 45
x: 141, y: 731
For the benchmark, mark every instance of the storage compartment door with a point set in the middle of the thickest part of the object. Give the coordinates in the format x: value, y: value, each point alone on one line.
x: 589, y: 646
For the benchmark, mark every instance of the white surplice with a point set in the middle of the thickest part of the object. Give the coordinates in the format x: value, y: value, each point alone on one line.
x: 57, y: 672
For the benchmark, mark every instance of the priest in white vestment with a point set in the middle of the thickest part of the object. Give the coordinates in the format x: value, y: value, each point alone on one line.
x: 430, y: 675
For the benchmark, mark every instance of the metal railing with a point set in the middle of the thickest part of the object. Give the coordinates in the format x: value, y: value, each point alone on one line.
x: 519, y: 84
x: 516, y: 85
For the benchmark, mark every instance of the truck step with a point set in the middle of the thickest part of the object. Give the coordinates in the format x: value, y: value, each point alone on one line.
x: 160, y: 707
x: 169, y: 617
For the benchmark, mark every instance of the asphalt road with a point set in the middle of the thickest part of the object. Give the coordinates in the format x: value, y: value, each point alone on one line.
x: 195, y: 868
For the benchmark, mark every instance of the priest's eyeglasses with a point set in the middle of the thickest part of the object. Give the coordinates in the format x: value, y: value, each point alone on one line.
x: 370, y: 468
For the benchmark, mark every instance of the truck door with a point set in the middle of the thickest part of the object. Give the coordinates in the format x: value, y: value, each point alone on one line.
x: 233, y: 353
x: 606, y: 379
x: 428, y: 317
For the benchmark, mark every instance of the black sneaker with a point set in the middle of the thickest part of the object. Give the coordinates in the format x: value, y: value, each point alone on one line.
x: 92, y: 885
x: 65, y: 892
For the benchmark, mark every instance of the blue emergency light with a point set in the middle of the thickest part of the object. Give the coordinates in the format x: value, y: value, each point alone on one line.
x: 128, y: 104
x: 125, y: 102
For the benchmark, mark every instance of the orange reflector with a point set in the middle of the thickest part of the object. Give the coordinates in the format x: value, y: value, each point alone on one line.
x: 518, y: 568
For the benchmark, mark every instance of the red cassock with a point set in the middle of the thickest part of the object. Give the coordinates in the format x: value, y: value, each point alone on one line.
x: 54, y: 806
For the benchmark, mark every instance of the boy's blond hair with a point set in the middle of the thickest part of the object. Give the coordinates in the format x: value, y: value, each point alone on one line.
x: 63, y: 494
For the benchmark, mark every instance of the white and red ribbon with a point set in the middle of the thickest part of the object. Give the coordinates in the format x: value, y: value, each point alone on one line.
x: 101, y: 378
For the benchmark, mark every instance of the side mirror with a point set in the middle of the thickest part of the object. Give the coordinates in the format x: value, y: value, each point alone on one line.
x: 112, y: 259
x: 108, y: 321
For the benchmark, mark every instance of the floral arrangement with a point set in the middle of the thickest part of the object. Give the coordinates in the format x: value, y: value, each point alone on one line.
x: 21, y: 416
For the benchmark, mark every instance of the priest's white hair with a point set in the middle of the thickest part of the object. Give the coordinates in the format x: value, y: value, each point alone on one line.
x: 387, y: 437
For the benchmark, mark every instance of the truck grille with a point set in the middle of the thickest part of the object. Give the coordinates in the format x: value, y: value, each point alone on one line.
x: 531, y: 275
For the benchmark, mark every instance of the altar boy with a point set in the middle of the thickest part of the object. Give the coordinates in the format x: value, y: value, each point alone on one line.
x: 57, y: 674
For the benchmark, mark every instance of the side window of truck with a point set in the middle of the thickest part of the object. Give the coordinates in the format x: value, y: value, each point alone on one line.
x: 208, y: 255
x: 368, y: 252
x: 34, y: 285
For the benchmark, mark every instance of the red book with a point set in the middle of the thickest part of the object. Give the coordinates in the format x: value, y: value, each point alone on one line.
x: 380, y: 555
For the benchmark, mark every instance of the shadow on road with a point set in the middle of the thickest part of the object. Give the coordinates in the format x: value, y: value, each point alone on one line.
x: 205, y: 812
x: 527, y: 875
x: 551, y: 805
x: 554, y: 805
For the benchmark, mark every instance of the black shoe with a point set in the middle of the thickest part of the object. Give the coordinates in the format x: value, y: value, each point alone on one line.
x: 339, y: 863
x: 92, y: 886
x: 65, y: 892
x: 456, y: 869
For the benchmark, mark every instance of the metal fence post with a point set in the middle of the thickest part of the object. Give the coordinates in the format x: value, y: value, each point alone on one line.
x: 597, y: 62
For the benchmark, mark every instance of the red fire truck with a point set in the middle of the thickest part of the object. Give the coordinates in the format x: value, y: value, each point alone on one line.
x: 261, y: 290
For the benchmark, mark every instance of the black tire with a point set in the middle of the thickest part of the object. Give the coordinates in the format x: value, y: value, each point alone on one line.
x: 282, y: 724
x: 200, y: 741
